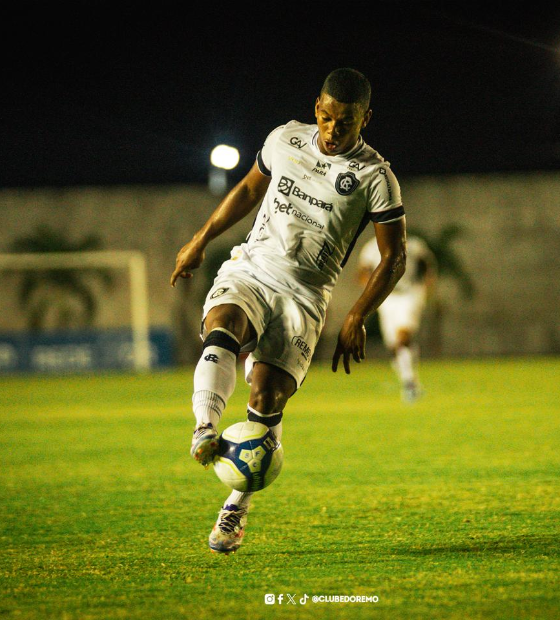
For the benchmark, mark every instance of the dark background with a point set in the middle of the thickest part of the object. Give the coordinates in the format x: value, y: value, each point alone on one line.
x: 108, y: 93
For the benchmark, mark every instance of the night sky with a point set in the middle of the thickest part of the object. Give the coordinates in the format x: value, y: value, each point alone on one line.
x: 102, y: 93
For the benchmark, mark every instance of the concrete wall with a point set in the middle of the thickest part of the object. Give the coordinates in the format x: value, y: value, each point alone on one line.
x: 511, y: 248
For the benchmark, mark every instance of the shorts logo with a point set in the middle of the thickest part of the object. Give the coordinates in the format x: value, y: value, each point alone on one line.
x: 297, y: 143
x: 218, y: 293
x: 211, y: 357
x: 346, y: 183
x: 305, y: 349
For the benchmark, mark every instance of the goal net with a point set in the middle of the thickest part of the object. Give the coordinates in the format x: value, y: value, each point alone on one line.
x: 134, y: 264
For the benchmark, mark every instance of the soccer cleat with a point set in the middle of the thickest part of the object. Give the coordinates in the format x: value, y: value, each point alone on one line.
x: 204, y: 448
x: 227, y: 534
x: 411, y: 392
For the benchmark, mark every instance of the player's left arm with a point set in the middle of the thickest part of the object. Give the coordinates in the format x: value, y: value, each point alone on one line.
x: 391, y: 241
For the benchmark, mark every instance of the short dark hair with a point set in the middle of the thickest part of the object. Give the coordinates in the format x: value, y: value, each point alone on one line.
x: 348, y: 86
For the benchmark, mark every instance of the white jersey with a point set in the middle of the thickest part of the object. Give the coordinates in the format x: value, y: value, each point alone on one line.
x: 316, y: 206
x: 417, y: 252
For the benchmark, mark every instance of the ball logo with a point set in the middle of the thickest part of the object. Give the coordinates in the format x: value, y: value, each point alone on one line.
x: 253, y: 458
x: 346, y: 183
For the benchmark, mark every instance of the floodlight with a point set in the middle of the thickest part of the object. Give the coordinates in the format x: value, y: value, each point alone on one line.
x: 223, y: 156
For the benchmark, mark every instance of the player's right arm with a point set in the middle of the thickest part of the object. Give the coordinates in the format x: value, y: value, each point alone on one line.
x: 239, y: 202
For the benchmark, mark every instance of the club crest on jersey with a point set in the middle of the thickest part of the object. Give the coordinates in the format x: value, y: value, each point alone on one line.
x: 346, y: 183
x: 219, y: 293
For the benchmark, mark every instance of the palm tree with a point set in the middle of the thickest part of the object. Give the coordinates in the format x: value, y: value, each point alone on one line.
x: 64, y: 294
x: 449, y: 264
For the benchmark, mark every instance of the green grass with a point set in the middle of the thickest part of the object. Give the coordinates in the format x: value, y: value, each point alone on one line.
x: 449, y: 508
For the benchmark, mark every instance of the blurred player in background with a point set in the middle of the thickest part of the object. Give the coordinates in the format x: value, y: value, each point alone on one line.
x: 317, y: 186
x: 400, y: 314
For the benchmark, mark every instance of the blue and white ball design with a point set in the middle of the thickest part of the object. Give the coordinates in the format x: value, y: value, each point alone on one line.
x: 250, y: 457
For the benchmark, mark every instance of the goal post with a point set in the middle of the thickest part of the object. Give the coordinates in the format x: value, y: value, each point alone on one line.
x: 132, y: 261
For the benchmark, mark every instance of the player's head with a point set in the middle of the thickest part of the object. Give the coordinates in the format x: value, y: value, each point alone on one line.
x: 342, y: 110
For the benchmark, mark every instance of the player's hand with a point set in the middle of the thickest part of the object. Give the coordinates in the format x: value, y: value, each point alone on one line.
x: 351, y: 342
x: 189, y: 257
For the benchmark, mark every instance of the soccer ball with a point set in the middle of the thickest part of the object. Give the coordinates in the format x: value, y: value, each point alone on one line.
x: 249, y: 457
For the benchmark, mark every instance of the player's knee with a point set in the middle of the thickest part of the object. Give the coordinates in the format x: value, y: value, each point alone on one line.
x: 267, y: 399
x: 229, y: 317
x: 404, y: 338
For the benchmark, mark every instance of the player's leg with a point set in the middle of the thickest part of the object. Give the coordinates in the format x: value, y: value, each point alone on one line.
x: 226, y: 328
x: 399, y: 320
x: 271, y: 387
x: 406, y: 365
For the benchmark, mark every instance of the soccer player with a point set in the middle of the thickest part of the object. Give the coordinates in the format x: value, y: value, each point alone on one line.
x: 400, y: 314
x: 317, y: 187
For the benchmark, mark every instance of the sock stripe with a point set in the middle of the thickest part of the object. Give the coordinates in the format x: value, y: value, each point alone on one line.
x: 222, y: 338
x: 268, y: 419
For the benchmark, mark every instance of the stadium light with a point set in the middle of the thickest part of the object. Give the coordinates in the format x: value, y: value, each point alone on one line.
x: 222, y: 158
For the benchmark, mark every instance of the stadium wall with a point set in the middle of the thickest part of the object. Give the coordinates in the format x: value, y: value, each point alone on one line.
x: 509, y: 246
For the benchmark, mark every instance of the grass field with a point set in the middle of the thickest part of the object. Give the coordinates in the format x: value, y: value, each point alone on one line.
x: 449, y: 508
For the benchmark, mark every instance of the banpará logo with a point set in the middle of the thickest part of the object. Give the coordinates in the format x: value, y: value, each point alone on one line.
x: 218, y: 293
x: 297, y: 142
x: 298, y: 162
x: 287, y: 186
x: 346, y: 183
x: 354, y: 165
x: 305, y: 349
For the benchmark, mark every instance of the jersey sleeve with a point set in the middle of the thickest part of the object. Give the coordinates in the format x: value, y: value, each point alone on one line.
x: 385, y: 204
x: 264, y: 156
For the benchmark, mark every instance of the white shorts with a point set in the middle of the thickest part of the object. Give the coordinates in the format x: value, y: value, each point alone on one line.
x: 401, y: 311
x: 287, y: 325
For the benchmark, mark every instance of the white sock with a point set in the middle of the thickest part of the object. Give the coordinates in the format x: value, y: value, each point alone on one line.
x: 272, y: 420
x: 239, y: 499
x: 404, y: 361
x: 214, y: 376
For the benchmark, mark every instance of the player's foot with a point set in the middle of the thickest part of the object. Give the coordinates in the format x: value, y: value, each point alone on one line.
x: 204, y: 446
x: 411, y: 392
x: 227, y: 534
